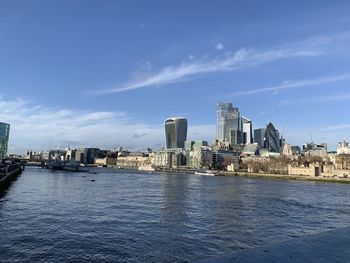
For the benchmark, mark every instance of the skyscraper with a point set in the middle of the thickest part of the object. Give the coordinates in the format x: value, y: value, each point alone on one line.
x: 272, y: 140
x: 175, y: 132
x: 4, y: 138
x: 259, y: 137
x: 228, y: 124
x: 247, y: 130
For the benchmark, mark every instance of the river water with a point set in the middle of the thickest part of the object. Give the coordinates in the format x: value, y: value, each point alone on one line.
x: 120, y: 216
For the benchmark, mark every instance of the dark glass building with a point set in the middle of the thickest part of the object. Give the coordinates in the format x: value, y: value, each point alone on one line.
x: 4, y: 138
x: 272, y: 140
x: 175, y: 132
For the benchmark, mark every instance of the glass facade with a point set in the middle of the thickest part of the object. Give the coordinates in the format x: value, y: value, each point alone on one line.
x: 175, y: 132
x: 259, y: 137
x: 4, y: 138
x: 272, y: 140
x: 228, y: 122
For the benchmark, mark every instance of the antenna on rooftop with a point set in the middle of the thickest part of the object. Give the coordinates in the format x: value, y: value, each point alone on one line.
x: 312, y: 141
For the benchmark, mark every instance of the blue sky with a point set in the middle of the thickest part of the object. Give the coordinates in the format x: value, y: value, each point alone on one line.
x: 107, y: 73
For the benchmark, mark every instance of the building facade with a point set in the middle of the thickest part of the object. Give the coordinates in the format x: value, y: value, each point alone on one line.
x: 272, y: 140
x: 259, y: 137
x: 228, y: 123
x: 4, y: 138
x: 175, y: 132
x: 343, y: 148
x: 201, y: 158
x: 247, y: 130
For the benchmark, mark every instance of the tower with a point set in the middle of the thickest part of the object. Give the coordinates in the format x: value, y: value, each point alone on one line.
x: 4, y: 138
x: 175, y: 132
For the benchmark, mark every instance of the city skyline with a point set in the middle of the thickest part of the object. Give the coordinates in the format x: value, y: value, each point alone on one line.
x: 82, y: 74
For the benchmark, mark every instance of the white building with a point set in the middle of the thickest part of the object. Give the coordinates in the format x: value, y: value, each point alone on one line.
x: 343, y: 148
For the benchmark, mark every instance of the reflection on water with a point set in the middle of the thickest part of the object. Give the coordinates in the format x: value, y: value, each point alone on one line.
x: 124, y: 216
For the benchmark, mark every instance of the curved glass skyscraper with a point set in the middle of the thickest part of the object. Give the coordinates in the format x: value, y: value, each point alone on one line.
x: 4, y: 138
x: 272, y: 140
x: 175, y: 132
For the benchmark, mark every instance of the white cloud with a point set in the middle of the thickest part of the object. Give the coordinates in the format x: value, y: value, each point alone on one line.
x: 294, y: 85
x: 231, y: 61
x: 35, y: 127
x: 337, y: 97
x: 337, y: 127
x: 219, y: 46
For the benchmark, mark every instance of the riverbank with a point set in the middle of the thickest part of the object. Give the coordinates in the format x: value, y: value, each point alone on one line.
x: 253, y: 175
x: 288, y: 177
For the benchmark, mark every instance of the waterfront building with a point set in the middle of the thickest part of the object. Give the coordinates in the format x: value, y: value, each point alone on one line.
x: 86, y: 155
x: 343, y: 148
x: 250, y: 149
x: 247, y: 130
x: 315, y: 150
x: 259, y: 137
x: 342, y: 162
x: 175, y: 132
x: 170, y: 158
x: 222, y: 158
x: 135, y: 160
x: 4, y: 138
x: 106, y: 161
x: 201, y: 158
x: 228, y: 124
x: 272, y: 140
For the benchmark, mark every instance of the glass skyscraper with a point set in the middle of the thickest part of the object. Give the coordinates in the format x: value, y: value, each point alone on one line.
x: 175, y: 132
x: 272, y: 140
x: 228, y: 124
x: 4, y: 138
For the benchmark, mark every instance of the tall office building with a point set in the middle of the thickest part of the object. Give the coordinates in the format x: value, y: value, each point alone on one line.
x: 259, y: 137
x: 4, y: 138
x: 247, y: 130
x: 272, y: 140
x: 175, y: 132
x: 228, y: 124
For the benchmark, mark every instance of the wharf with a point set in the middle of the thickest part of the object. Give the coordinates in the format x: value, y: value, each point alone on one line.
x: 7, y: 177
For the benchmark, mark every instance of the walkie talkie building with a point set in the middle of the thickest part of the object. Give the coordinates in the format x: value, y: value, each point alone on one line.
x: 175, y: 132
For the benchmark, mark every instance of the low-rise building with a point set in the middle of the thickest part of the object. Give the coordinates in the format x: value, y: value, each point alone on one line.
x: 343, y: 148
x: 342, y: 161
x: 201, y: 158
x: 105, y: 161
x: 313, y: 170
x: 134, y: 160
x: 222, y: 158
x: 170, y: 157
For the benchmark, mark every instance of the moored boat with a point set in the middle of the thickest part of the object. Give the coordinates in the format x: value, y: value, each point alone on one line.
x: 206, y: 173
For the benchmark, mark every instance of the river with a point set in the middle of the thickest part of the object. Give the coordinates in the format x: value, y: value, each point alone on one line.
x: 122, y: 216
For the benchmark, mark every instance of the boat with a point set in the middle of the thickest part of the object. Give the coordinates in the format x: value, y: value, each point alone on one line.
x: 205, y: 172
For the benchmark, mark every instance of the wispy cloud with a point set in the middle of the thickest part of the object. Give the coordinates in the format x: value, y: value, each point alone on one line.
x: 336, y: 127
x: 36, y: 127
x: 219, y: 46
x: 244, y: 57
x: 294, y: 85
x: 338, y: 97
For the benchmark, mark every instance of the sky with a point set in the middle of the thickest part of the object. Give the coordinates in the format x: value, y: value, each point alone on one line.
x: 108, y: 73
